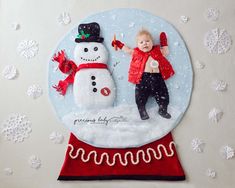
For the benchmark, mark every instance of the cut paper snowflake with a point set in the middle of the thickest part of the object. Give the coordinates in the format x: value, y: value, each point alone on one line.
x: 15, y: 26
x: 56, y: 138
x: 212, y: 14
x: 114, y: 17
x: 197, y: 145
x: 9, y: 72
x: 8, y: 171
x: 227, y: 152
x: 28, y: 48
x: 200, y: 65
x: 184, y: 19
x: 132, y: 24
x: 34, y: 162
x: 176, y: 43
x: 177, y: 86
x: 211, y: 173
x: 64, y: 18
x: 215, y: 115
x: 16, y: 128
x: 34, y: 91
x: 219, y: 85
x: 217, y: 41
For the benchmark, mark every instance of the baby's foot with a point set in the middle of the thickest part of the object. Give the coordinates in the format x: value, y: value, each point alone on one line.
x: 143, y: 114
x: 163, y: 112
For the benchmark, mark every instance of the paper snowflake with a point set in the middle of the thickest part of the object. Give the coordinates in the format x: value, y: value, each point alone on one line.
x: 212, y: 14
x: 215, y: 115
x: 227, y: 152
x: 176, y: 43
x: 34, y: 91
x: 16, y: 128
x: 34, y: 162
x: 9, y: 72
x: 15, y: 26
x: 64, y: 18
x: 200, y: 65
x: 132, y: 24
x: 197, y: 145
x: 114, y: 17
x: 28, y: 48
x: 211, y: 173
x: 56, y: 138
x: 217, y: 41
x: 219, y: 85
x: 8, y: 171
x: 184, y: 19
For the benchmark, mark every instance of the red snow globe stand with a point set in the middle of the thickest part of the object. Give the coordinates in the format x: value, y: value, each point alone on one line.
x: 109, y: 139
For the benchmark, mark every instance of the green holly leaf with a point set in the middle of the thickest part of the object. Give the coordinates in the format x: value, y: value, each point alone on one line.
x: 82, y: 35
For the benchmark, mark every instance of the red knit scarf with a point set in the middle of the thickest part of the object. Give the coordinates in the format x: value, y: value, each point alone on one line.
x: 69, y: 67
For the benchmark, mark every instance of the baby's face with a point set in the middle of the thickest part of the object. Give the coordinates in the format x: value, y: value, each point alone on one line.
x: 144, y: 43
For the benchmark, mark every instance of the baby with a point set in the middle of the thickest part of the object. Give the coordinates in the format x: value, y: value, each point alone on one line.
x: 148, y: 70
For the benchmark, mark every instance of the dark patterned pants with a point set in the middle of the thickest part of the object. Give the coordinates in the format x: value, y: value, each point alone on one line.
x: 151, y: 84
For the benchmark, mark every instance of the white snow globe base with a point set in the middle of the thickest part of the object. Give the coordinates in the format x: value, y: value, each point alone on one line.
x: 120, y: 127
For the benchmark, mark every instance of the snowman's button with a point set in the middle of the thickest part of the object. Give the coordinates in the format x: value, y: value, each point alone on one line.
x: 94, y: 90
x: 95, y: 48
x: 93, y: 77
x: 93, y: 83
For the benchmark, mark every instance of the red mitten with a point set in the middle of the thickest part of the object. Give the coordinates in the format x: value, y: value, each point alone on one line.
x: 117, y: 43
x: 163, y: 39
x: 65, y: 65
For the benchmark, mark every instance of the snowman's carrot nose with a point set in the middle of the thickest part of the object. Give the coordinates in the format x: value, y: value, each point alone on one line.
x: 114, y: 40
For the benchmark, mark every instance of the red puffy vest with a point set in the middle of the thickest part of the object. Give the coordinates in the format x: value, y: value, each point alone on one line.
x: 139, y: 59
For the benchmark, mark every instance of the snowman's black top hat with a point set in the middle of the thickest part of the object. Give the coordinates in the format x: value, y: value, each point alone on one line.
x: 89, y: 32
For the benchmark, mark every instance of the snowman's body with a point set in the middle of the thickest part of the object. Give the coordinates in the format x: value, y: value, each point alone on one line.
x: 93, y: 88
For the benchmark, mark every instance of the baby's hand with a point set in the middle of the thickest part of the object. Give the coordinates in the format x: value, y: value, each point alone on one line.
x: 165, y: 51
x: 117, y: 43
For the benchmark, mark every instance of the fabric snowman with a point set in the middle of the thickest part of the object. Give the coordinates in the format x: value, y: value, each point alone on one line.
x: 93, y: 85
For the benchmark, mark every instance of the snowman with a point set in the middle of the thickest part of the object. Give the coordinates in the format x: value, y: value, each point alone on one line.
x: 93, y: 85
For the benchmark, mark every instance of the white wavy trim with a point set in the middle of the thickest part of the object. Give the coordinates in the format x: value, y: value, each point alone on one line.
x: 219, y: 85
x: 134, y: 159
x: 215, y: 115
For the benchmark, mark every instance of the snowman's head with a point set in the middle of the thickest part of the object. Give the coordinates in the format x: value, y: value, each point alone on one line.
x: 90, y: 52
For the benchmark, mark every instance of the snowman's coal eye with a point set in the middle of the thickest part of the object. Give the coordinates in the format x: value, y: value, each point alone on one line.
x: 95, y: 48
x: 85, y: 49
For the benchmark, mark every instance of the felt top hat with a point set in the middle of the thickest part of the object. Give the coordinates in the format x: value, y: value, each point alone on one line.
x: 89, y: 32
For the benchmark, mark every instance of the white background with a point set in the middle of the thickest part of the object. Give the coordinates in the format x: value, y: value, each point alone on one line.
x: 38, y: 21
